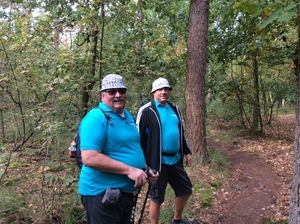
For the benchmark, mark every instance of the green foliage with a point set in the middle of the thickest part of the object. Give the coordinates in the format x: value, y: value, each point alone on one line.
x: 225, y: 111
x: 236, y: 41
x: 275, y: 222
x: 215, y: 158
x: 205, y: 192
x: 73, y: 211
x: 206, y: 197
x: 4, y: 156
x: 43, y: 181
x: 280, y: 14
x: 198, y: 186
x: 286, y: 110
x: 169, y: 192
x: 216, y: 185
x: 224, y: 136
x: 11, y: 202
x: 166, y: 214
x: 246, y: 7
x: 14, y: 165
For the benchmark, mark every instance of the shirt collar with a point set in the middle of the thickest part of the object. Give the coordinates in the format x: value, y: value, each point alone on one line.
x: 158, y: 104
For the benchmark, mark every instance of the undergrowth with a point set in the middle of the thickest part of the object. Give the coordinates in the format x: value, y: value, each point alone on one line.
x: 43, y: 186
x: 40, y: 185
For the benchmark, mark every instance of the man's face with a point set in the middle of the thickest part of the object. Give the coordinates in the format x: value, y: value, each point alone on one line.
x: 162, y: 95
x: 115, y: 99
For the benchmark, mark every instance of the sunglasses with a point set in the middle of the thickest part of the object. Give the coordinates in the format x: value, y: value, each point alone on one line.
x: 114, y: 91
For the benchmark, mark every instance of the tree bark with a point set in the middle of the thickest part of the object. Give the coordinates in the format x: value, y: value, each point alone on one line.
x: 195, y: 78
x: 256, y: 102
x: 92, y: 70
x: 294, y: 215
x: 91, y: 76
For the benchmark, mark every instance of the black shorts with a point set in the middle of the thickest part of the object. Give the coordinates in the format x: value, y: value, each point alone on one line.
x: 98, y: 213
x: 178, y: 179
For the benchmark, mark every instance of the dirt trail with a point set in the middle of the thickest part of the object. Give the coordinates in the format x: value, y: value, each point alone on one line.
x: 250, y: 190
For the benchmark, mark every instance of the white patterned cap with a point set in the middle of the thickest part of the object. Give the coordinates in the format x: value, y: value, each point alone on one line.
x: 160, y: 83
x: 113, y: 81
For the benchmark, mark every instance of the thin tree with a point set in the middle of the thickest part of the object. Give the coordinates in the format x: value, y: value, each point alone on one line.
x: 294, y: 216
x: 195, y: 77
x: 256, y: 115
x: 93, y: 44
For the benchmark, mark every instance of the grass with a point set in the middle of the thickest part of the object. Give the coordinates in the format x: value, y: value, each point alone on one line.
x: 40, y: 185
x: 275, y: 222
x: 166, y: 214
x: 10, y: 202
x: 223, y: 134
x: 216, y: 162
x: 285, y: 110
x: 206, y: 196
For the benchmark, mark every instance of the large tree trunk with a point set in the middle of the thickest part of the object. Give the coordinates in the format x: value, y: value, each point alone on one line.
x: 195, y: 78
x: 294, y: 216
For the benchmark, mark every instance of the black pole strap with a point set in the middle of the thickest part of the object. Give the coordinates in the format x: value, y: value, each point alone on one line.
x: 136, y: 194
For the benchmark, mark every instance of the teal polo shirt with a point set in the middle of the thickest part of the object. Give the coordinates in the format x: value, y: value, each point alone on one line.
x: 119, y: 141
x: 170, y: 133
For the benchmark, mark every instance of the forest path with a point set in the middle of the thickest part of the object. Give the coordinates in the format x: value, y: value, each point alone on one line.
x: 250, y: 189
x: 259, y: 177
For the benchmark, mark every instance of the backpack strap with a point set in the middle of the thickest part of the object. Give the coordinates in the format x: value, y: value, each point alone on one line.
x: 106, y: 116
x: 77, y: 140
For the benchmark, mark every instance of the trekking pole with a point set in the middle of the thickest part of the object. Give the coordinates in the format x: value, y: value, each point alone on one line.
x: 142, y: 212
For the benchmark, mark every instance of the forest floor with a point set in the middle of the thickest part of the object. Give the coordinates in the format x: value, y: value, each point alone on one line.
x: 257, y: 178
x: 252, y: 188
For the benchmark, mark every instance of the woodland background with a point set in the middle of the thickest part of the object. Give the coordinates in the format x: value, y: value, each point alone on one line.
x: 53, y: 55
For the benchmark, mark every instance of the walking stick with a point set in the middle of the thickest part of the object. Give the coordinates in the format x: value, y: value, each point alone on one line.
x: 136, y: 198
x: 142, y: 212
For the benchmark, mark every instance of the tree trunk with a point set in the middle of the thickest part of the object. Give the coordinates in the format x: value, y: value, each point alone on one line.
x: 240, y: 97
x: 294, y: 216
x: 256, y: 108
x: 90, y: 82
x: 138, y: 49
x: 101, y: 46
x: 195, y: 78
x: 91, y: 76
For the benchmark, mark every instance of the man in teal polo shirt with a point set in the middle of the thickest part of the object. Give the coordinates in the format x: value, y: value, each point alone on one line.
x: 112, y: 158
x: 164, y: 147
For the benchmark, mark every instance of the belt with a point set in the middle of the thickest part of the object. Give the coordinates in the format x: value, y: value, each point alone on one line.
x: 169, y: 154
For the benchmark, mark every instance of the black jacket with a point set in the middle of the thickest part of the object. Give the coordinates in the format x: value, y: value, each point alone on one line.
x: 149, y: 125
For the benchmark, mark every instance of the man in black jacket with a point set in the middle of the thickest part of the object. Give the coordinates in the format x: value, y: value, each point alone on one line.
x: 164, y: 146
